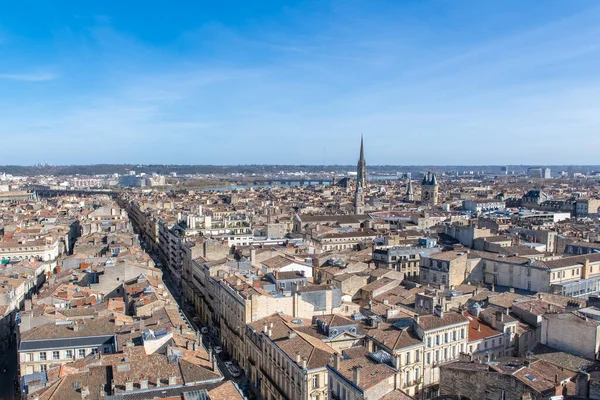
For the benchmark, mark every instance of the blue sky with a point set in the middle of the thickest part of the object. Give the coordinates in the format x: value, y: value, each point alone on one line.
x: 291, y: 82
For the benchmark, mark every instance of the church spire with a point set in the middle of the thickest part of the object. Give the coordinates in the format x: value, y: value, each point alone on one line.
x: 362, y: 149
x: 361, y: 170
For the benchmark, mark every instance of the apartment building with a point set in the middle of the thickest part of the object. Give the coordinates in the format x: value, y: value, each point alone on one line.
x: 63, y: 342
x: 169, y: 246
x: 358, y: 375
x: 402, y: 259
x: 287, y: 363
x: 576, y: 276
x: 240, y: 303
x: 444, y: 335
x: 42, y: 249
x: 398, y: 345
x: 444, y: 269
x: 343, y: 239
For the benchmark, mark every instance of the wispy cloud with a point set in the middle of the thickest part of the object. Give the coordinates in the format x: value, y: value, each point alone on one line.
x: 316, y: 82
x: 29, y: 77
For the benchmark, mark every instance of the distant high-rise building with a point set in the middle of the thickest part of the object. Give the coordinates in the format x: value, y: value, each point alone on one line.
x: 429, y: 190
x: 534, y: 172
x: 361, y: 170
x: 547, y: 173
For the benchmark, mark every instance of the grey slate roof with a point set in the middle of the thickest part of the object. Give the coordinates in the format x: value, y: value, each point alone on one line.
x: 64, y: 343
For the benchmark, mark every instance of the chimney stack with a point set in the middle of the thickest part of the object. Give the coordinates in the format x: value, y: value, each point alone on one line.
x: 356, y: 375
x: 143, y: 383
x: 337, y: 359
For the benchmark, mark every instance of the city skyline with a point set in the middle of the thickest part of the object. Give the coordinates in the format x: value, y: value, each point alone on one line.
x: 427, y: 83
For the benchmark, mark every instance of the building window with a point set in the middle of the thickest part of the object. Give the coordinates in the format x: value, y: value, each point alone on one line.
x: 437, y: 340
x: 43, y: 367
x: 408, y: 358
x: 416, y: 374
x: 69, y: 353
x: 454, y: 336
x: 55, y: 355
x: 407, y: 377
x: 446, y: 337
x: 43, y: 356
x: 315, y: 381
x: 81, y: 352
x: 462, y: 333
x: 428, y: 358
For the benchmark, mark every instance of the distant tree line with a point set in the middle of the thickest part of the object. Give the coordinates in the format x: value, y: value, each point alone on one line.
x: 107, y: 169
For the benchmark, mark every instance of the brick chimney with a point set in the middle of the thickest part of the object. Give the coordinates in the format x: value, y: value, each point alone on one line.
x: 172, y: 380
x: 129, y: 385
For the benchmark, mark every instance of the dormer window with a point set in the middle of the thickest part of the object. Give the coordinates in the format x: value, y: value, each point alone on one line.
x: 333, y: 332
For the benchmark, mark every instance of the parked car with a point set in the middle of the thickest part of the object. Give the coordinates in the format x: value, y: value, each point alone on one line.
x: 217, y: 349
x: 233, y: 370
x: 204, y: 330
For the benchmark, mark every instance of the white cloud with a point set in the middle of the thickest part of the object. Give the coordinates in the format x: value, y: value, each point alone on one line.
x: 29, y: 77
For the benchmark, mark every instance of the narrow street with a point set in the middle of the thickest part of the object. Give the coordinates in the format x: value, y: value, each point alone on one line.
x: 208, y: 340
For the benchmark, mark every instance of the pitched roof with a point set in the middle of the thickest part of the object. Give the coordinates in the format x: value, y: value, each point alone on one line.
x: 430, y: 322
